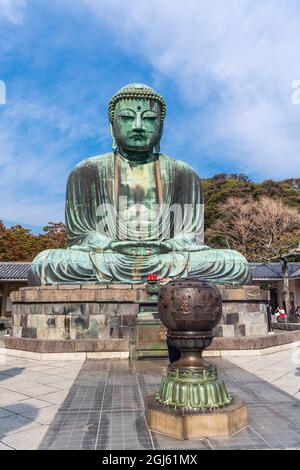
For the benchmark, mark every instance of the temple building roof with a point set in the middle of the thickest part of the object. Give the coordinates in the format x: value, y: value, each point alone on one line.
x: 14, y: 271
x: 272, y: 271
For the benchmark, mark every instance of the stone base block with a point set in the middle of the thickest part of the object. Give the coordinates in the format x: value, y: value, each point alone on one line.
x: 76, y: 312
x: 256, y: 330
x: 182, y: 425
x: 244, y: 312
x: 60, y: 314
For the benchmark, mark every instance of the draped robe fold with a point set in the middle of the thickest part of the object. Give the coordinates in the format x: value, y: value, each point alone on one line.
x: 93, y: 222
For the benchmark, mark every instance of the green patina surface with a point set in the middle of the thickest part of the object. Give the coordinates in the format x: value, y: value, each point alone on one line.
x: 118, y: 206
x: 193, y: 389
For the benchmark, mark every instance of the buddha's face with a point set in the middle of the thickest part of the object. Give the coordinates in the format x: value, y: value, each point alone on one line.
x: 137, y: 124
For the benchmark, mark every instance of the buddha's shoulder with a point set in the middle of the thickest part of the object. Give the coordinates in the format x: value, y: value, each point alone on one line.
x: 177, y: 164
x: 105, y: 161
x: 95, y: 161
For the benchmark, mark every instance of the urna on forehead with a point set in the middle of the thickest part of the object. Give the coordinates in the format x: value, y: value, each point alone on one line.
x: 134, y: 91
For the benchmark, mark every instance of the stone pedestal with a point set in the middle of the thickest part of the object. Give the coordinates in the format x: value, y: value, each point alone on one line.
x: 180, y: 424
x: 118, y: 317
x: 76, y: 312
x: 244, y: 312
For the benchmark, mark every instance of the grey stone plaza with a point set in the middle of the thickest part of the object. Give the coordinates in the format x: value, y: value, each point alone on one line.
x: 100, y: 404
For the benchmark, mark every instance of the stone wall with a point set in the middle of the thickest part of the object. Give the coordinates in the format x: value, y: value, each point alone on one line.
x: 75, y: 312
x: 121, y: 312
x: 244, y: 312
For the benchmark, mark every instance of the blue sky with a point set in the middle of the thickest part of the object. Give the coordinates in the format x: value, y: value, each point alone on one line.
x: 225, y: 69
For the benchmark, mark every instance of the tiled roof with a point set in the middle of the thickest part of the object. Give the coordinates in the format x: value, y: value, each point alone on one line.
x: 14, y: 271
x: 273, y: 270
x: 296, y: 273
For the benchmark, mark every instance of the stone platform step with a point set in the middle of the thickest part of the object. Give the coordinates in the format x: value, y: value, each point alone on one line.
x: 286, y: 326
x: 119, y: 348
x: 109, y: 345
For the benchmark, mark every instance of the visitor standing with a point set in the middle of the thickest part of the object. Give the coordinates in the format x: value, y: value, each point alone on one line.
x: 280, y: 314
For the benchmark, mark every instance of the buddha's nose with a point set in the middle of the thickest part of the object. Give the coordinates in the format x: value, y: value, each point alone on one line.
x: 138, y: 123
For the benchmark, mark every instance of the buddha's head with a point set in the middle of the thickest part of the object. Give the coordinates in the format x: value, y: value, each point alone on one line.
x: 136, y: 114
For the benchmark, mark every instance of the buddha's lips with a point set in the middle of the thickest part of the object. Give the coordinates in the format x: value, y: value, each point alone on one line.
x: 139, y: 136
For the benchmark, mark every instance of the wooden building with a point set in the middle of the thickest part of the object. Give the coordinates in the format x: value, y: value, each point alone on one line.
x: 269, y: 276
x: 13, y: 275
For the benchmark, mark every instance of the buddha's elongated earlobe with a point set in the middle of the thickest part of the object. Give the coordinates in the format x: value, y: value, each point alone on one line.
x: 115, y: 147
x: 157, y: 148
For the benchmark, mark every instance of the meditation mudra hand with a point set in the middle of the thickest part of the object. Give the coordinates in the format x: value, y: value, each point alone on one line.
x: 135, y: 211
x: 140, y: 248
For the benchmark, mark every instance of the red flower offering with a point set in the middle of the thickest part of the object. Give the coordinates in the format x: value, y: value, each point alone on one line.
x: 152, y: 277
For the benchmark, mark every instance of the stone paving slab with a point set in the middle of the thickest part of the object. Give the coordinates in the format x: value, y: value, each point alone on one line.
x: 43, y: 415
x: 26, y: 406
x: 15, y: 422
x: 101, y: 405
x: 22, y: 406
x: 8, y: 397
x: 105, y: 408
x: 4, y: 413
x: 5, y: 447
x: 24, y: 439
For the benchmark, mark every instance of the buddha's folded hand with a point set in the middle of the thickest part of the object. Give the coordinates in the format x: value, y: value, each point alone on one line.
x: 140, y: 247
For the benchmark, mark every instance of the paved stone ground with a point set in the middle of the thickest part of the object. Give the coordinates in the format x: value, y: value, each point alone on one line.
x: 105, y: 410
x: 104, y: 406
x: 30, y: 395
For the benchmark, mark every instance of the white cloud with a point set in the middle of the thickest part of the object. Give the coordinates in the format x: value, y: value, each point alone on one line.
x: 235, y: 61
x: 12, y: 10
x: 34, y: 164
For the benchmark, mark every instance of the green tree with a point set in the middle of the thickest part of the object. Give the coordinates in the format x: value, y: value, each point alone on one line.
x: 20, y: 244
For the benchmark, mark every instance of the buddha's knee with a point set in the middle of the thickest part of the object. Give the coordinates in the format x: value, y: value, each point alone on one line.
x: 232, y: 257
x: 62, y: 256
x: 46, y: 255
x: 220, y: 265
x: 217, y: 255
x: 59, y: 266
x: 38, y: 266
